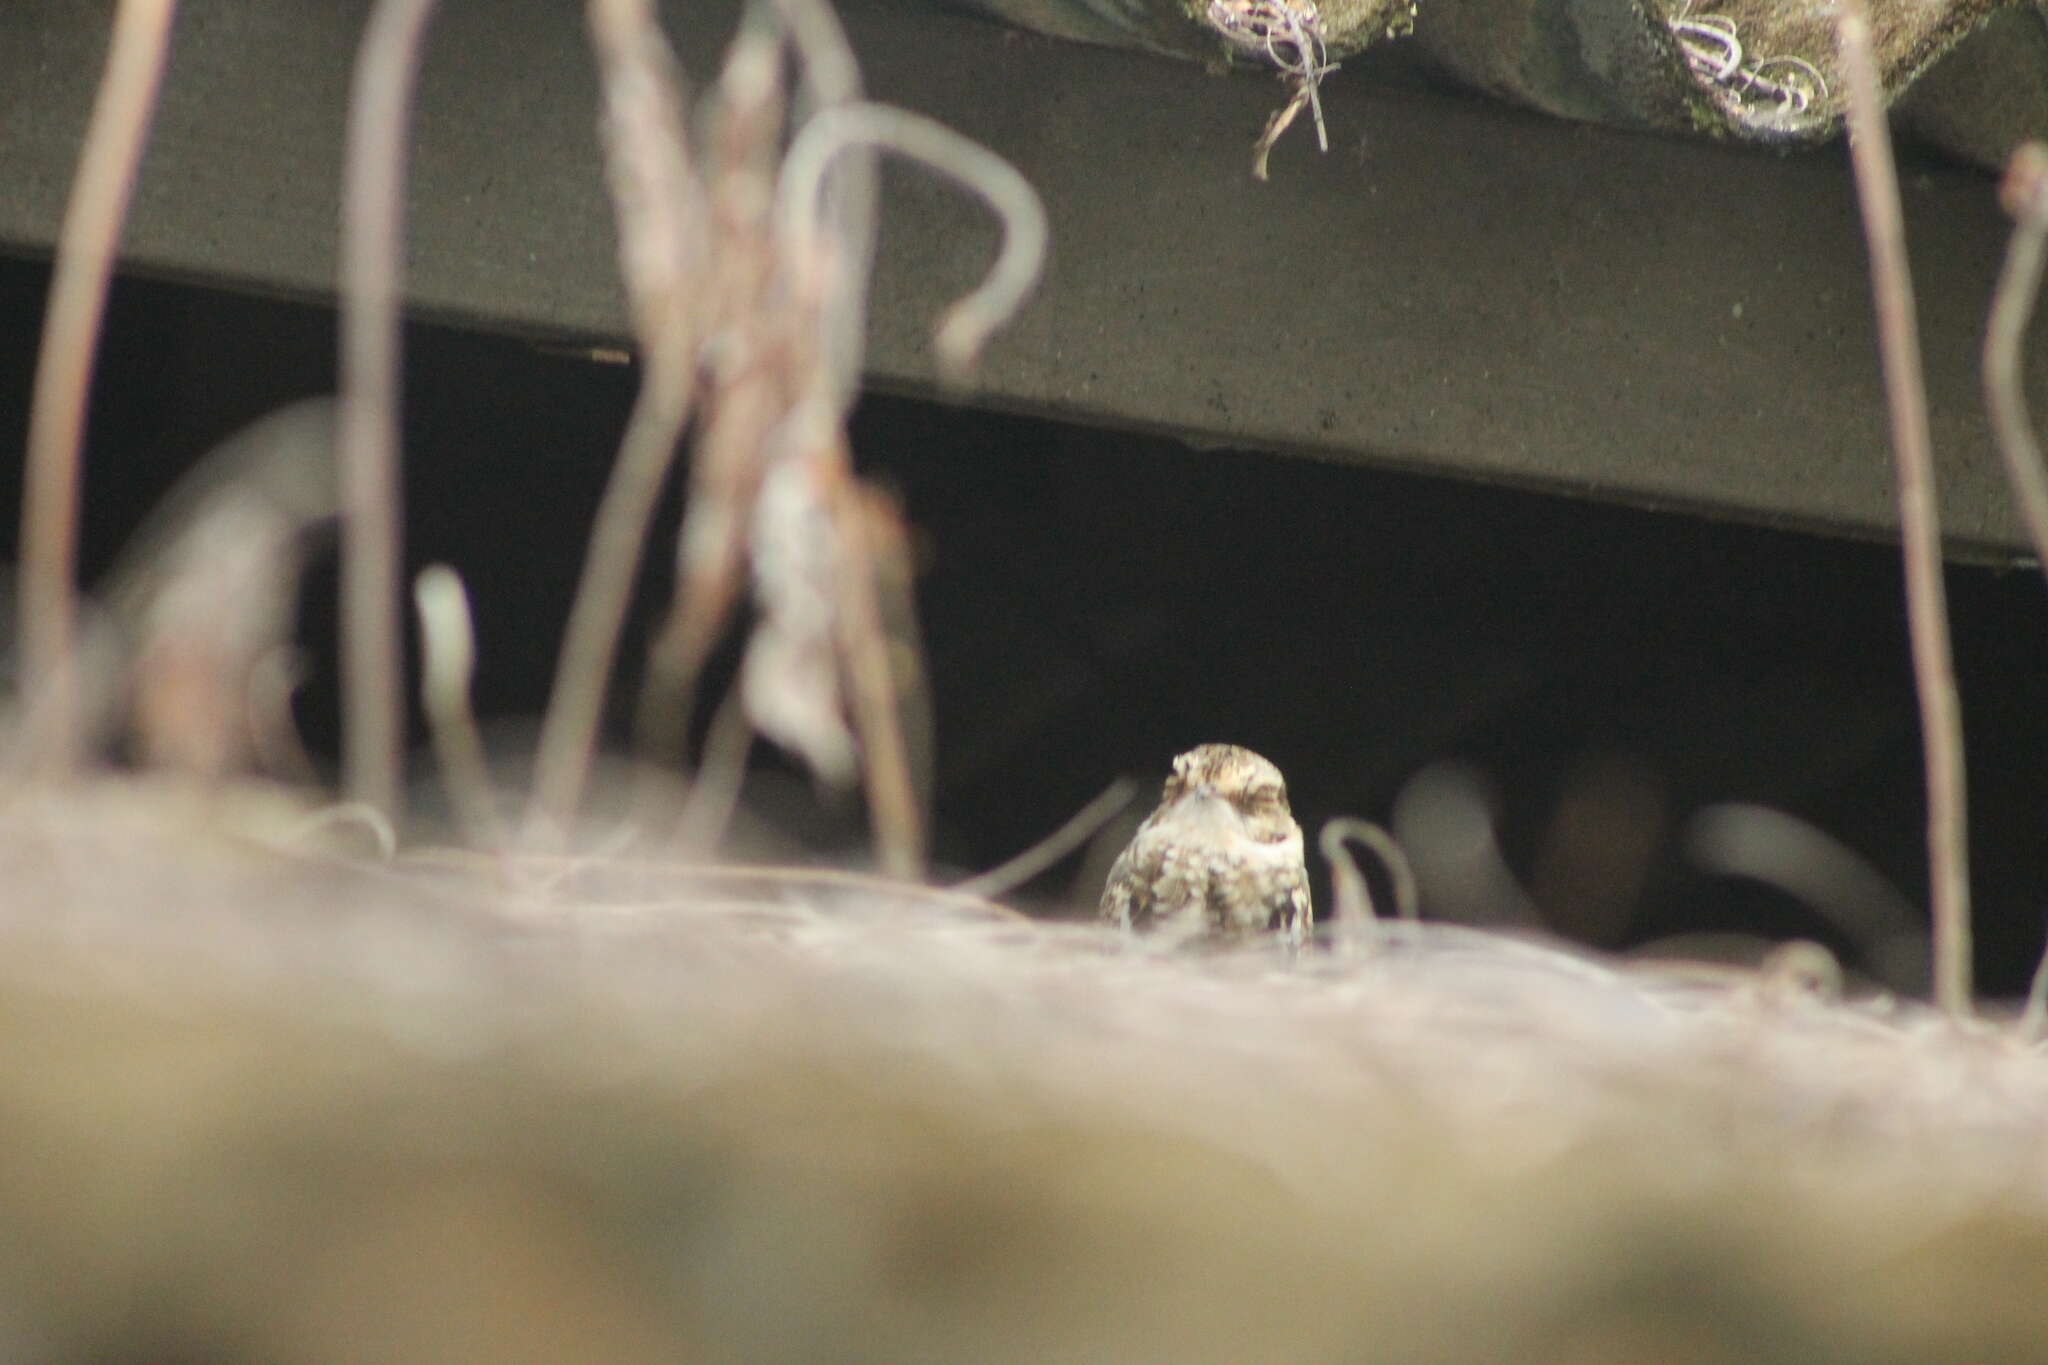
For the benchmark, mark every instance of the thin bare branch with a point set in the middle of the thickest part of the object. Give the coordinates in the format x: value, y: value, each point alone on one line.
x: 1007, y: 876
x: 372, y: 264
x: 663, y: 253
x: 448, y: 662
x: 1941, y: 723
x: 114, y: 140
x: 967, y: 324
x: 2025, y: 196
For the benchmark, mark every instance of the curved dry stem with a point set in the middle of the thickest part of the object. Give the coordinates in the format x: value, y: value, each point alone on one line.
x: 372, y: 247
x: 1079, y: 828
x: 662, y: 253
x: 1941, y: 722
x: 967, y: 324
x: 354, y: 813
x: 2025, y: 194
x: 448, y: 662
x: 1353, y: 900
x: 1799, y: 970
x: 1778, y: 849
x: 114, y: 140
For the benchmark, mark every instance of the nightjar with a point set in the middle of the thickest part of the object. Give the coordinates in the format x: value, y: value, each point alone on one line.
x: 1221, y: 856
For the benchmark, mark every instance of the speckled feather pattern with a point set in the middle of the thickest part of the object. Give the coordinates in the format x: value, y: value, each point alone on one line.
x: 1220, y: 857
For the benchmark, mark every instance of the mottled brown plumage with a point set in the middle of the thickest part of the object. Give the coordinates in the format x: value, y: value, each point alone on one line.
x: 1221, y: 856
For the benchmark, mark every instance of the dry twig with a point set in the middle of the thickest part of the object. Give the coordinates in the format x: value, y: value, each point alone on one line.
x: 1079, y: 828
x: 78, y: 292
x: 372, y: 255
x: 1941, y: 723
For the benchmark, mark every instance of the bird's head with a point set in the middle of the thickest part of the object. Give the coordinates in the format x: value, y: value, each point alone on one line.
x: 1230, y: 788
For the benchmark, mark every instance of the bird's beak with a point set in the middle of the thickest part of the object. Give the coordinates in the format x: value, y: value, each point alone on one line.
x: 1202, y: 807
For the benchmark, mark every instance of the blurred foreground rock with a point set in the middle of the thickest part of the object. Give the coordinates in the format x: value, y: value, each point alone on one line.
x: 260, y: 1103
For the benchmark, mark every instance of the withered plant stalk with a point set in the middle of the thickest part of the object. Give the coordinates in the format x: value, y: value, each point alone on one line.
x: 663, y: 253
x: 372, y: 264
x: 773, y: 497
x: 2025, y: 196
x: 962, y: 333
x: 1941, y: 723
x: 1007, y: 876
x: 114, y: 140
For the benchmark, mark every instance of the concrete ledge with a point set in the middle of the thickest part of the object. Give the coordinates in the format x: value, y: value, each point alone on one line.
x: 1457, y: 286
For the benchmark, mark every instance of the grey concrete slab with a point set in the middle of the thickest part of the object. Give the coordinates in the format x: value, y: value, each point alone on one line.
x: 1458, y: 286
